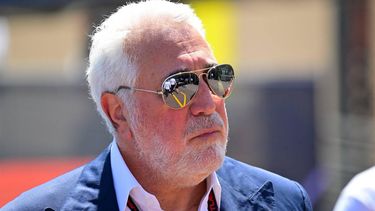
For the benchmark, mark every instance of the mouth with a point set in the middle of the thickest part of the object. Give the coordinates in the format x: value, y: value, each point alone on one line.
x: 206, y: 134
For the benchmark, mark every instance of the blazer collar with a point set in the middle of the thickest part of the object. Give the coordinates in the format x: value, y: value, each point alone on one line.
x: 259, y: 198
x: 94, y: 190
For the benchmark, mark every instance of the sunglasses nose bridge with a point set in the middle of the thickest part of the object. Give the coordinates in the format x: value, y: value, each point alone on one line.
x: 203, y: 101
x: 203, y: 77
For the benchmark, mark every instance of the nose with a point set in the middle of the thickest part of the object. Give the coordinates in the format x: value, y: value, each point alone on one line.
x: 204, y: 101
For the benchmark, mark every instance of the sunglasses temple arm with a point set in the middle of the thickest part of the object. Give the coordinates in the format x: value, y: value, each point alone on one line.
x: 141, y: 90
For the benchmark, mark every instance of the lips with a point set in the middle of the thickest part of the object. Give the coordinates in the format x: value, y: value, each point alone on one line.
x: 206, y: 133
x: 205, y: 127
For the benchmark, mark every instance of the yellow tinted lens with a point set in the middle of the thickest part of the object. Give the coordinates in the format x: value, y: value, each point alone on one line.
x: 179, y: 89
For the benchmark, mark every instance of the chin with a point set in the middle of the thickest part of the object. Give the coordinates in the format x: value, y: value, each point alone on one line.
x: 205, y: 162
x: 214, y: 157
x: 193, y: 166
x: 203, y: 165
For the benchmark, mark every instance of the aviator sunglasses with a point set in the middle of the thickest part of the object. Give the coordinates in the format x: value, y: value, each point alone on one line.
x: 179, y: 89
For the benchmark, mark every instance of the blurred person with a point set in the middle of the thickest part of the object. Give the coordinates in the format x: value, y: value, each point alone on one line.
x: 359, y: 194
x: 156, y: 83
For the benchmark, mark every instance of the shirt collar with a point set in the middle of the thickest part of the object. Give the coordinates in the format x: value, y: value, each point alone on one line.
x: 212, y: 184
x: 123, y: 179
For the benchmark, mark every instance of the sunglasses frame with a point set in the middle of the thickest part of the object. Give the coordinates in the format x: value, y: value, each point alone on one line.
x: 160, y: 92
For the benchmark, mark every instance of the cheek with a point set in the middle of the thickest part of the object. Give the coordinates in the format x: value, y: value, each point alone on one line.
x: 168, y: 125
x: 173, y: 127
x: 221, y: 110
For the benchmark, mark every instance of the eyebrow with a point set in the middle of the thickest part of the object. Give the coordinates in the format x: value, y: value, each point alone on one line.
x: 189, y: 70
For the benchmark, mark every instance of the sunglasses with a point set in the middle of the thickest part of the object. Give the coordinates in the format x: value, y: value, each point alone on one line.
x: 179, y: 89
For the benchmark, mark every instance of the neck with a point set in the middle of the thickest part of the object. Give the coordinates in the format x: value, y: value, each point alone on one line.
x: 171, y: 193
x: 187, y: 198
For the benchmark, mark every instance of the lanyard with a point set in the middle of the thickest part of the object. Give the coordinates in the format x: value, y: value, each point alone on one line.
x: 211, y: 203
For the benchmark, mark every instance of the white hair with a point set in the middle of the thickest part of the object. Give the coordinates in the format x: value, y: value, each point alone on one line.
x: 111, y: 64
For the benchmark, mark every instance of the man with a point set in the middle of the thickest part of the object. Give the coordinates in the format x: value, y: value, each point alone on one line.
x: 157, y: 85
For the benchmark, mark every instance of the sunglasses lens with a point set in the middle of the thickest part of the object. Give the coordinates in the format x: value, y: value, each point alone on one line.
x: 220, y: 79
x: 179, y: 89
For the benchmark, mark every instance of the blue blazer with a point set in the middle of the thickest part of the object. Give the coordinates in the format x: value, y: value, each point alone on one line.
x: 90, y: 187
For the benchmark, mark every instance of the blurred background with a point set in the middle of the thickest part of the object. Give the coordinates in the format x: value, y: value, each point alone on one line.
x: 301, y: 107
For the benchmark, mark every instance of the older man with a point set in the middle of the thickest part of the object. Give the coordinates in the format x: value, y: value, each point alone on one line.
x: 157, y: 85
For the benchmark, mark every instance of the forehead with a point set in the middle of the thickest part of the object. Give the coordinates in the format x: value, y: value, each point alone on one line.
x: 165, y: 49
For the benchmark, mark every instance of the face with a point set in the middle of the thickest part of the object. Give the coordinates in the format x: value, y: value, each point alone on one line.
x: 186, y: 144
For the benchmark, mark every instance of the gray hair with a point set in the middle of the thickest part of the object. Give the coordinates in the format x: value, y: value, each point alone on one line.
x: 111, y: 63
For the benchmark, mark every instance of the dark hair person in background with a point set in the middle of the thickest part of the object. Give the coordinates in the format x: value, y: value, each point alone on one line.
x: 156, y: 83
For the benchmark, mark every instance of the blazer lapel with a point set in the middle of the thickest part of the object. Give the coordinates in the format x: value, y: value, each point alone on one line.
x: 263, y: 199
x: 259, y: 198
x: 94, y: 190
x: 232, y: 199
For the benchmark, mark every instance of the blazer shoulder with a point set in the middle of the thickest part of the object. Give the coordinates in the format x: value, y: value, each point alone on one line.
x: 237, y: 172
x: 51, y: 194
x: 248, y: 180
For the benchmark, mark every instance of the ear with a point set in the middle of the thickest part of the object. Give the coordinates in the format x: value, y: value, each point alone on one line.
x: 112, y: 106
